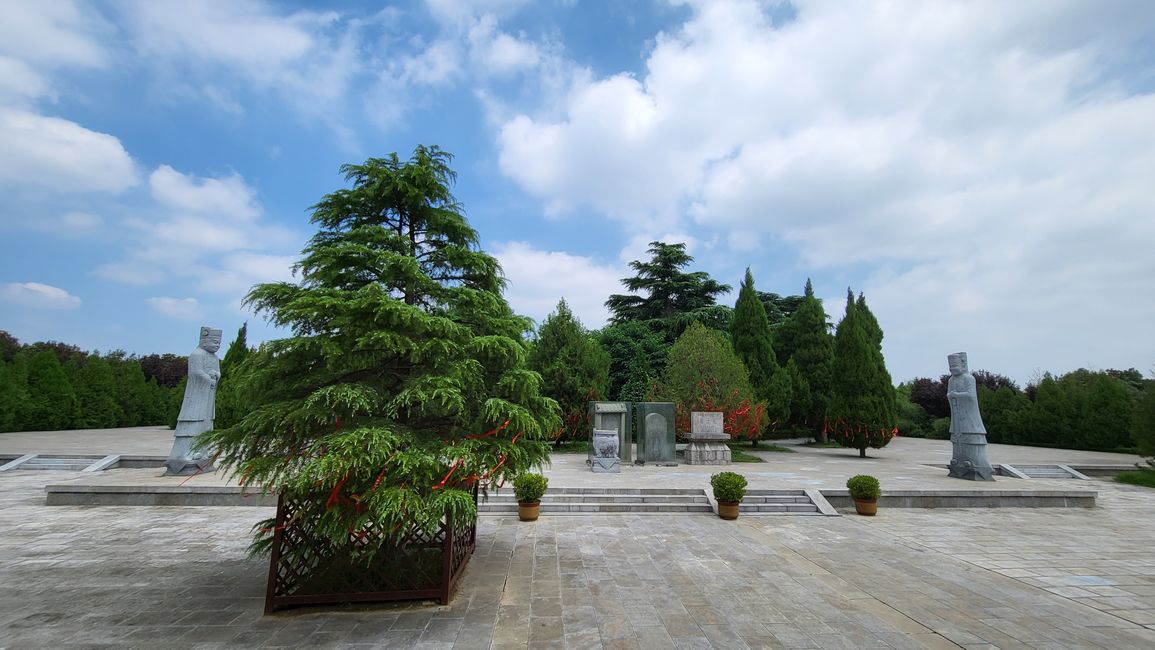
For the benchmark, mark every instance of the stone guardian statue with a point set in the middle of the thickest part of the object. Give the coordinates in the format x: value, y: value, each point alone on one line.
x: 968, y: 436
x: 198, y: 408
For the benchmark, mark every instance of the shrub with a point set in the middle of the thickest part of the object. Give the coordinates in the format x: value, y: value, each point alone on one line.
x: 528, y: 488
x: 864, y: 487
x: 1144, y: 477
x: 729, y: 487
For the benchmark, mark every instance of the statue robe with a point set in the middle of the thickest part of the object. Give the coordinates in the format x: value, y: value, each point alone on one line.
x: 964, y: 404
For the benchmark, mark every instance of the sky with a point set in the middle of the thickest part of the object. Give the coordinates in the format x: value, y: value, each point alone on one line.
x: 983, y: 171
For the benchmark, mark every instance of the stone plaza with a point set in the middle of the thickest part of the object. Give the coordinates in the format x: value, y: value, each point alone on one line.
x: 1005, y: 577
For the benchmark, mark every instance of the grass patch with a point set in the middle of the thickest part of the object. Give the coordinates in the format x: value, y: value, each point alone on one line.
x: 571, y: 447
x: 1144, y: 477
x: 738, y: 456
x: 745, y: 447
x: 829, y: 444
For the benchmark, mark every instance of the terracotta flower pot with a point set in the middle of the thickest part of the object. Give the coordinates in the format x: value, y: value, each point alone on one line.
x: 728, y: 509
x: 866, y: 507
x: 528, y: 511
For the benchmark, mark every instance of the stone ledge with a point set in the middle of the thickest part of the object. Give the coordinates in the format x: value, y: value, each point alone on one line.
x: 972, y: 498
x: 156, y: 495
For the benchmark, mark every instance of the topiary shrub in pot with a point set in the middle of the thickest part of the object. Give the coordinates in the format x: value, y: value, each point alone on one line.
x: 729, y: 488
x: 529, y: 488
x: 864, y: 490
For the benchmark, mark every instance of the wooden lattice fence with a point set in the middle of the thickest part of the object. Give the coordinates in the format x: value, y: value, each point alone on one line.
x: 306, y: 569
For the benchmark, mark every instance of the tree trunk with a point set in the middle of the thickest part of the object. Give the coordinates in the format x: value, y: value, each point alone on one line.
x: 862, y: 452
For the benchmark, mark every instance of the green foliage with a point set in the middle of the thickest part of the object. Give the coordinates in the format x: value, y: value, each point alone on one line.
x: 232, y: 402
x: 14, y: 400
x: 1143, y: 422
x: 913, y: 421
x: 95, y: 386
x: 739, y: 456
x: 51, y: 398
x: 864, y: 487
x: 750, y: 336
x: 670, y: 299
x: 729, y: 487
x: 574, y: 369
x: 529, y: 488
x: 804, y: 339
x: 637, y: 356
x: 862, y: 401
x: 404, y: 383
x: 1143, y: 477
x: 702, y: 367
x: 640, y: 379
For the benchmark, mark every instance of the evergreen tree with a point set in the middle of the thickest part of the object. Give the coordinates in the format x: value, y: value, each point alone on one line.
x: 639, y: 378
x: 51, y: 399
x: 230, y: 405
x: 862, y: 400
x: 1002, y: 412
x: 805, y: 339
x: 404, y: 383
x: 671, y: 297
x: 133, y: 394
x: 1143, y: 421
x: 703, y: 374
x: 1052, y: 414
x: 800, y: 402
x: 750, y: 336
x: 622, y: 342
x: 14, y: 402
x: 574, y: 369
x: 1106, y: 411
x: 95, y: 386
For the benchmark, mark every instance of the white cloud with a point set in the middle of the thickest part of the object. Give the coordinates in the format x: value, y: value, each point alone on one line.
x: 538, y: 279
x: 38, y: 296
x: 498, y: 52
x: 228, y: 197
x: 981, y: 168
x: 61, y: 156
x: 59, y: 32
x: 19, y: 82
x: 177, y: 308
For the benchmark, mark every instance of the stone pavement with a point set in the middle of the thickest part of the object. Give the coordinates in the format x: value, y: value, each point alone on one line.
x: 1010, y: 578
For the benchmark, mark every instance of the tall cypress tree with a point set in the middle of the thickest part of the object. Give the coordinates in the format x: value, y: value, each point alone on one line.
x: 95, y: 385
x: 804, y: 337
x: 750, y: 336
x: 404, y: 384
x: 14, y: 401
x: 230, y: 406
x: 573, y: 366
x: 862, y: 400
x: 51, y: 398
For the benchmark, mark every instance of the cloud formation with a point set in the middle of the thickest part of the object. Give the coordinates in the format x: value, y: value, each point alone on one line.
x: 38, y: 296
x: 177, y: 308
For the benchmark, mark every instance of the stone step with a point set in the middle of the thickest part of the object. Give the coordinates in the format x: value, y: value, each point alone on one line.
x: 773, y: 498
x: 71, y: 467
x: 598, y: 506
x: 630, y: 498
x: 778, y: 507
x: 598, y: 490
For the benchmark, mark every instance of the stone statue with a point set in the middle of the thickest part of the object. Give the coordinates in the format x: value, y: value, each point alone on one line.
x: 968, y: 436
x: 199, y: 406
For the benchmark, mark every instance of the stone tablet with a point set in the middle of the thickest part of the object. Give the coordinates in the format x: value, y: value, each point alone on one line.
x: 707, y: 426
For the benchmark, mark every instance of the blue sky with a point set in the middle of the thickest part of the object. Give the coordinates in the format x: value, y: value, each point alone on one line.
x: 982, y: 171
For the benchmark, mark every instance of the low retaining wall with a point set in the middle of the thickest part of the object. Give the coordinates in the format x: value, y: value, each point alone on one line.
x: 156, y: 495
x: 972, y: 498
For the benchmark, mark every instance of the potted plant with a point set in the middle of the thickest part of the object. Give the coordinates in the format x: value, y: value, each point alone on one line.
x: 729, y: 488
x: 864, y: 489
x: 528, y: 488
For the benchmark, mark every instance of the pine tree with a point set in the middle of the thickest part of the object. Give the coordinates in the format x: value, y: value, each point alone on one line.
x: 800, y: 402
x: 671, y: 297
x: 14, y: 401
x: 622, y: 342
x: 404, y: 383
x: 806, y: 341
x: 51, y: 398
x: 750, y: 336
x: 639, y: 378
x: 573, y: 366
x: 1143, y: 421
x: 862, y: 400
x: 230, y: 405
x: 95, y: 386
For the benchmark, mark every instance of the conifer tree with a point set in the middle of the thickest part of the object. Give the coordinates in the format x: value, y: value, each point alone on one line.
x: 862, y: 400
x: 51, y: 398
x: 639, y: 378
x: 800, y: 403
x: 404, y: 384
x: 703, y: 373
x: 230, y: 405
x: 751, y: 338
x: 1143, y: 422
x: 805, y: 339
x: 622, y: 342
x: 14, y: 401
x: 574, y: 369
x: 95, y: 386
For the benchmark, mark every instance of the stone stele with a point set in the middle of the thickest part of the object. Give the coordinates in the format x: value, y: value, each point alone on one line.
x: 606, y: 460
x: 198, y: 408
x: 707, y: 440
x: 968, y: 436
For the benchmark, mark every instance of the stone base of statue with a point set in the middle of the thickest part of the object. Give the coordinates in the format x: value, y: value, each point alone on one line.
x: 605, y: 459
x: 183, y: 460
x: 969, y: 460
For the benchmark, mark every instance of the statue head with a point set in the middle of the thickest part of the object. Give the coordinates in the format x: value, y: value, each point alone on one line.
x: 957, y: 363
x: 210, y: 339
